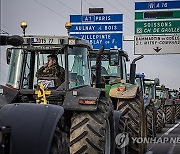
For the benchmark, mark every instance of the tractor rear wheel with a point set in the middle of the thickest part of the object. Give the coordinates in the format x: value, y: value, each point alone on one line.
x: 178, y: 111
x: 159, y: 120
x: 133, y: 111
x: 170, y: 114
x: 93, y: 132
x: 150, y: 121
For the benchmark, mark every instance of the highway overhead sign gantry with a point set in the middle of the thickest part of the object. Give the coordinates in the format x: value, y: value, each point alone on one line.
x: 157, y: 18
x: 98, y: 29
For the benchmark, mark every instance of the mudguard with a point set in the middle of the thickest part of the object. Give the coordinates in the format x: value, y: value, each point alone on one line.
x: 116, y: 115
x: 129, y: 92
x: 7, y: 95
x: 32, y: 126
x: 169, y: 102
x: 71, y: 101
x: 177, y: 101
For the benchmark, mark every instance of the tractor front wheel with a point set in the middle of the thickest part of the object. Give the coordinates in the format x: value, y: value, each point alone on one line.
x: 92, y: 132
x: 170, y: 114
x: 133, y: 111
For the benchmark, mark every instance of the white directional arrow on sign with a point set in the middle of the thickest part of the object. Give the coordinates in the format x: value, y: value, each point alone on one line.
x: 157, y: 49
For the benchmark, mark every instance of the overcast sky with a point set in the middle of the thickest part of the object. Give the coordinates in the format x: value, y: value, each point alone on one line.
x: 47, y: 17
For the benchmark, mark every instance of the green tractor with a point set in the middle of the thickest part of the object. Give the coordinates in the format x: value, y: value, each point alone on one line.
x: 153, y: 103
x: 43, y: 116
x: 160, y: 106
x: 125, y: 96
x: 150, y: 101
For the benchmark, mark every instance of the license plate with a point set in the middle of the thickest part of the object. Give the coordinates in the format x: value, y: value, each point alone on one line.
x: 45, y: 40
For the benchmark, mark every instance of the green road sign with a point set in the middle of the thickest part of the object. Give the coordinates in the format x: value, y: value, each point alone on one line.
x: 157, y: 17
x: 157, y: 27
x: 153, y: 15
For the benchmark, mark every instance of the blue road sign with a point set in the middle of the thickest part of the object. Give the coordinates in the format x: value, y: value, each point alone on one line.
x: 95, y: 27
x: 98, y: 29
x: 157, y: 5
x: 109, y: 40
x: 96, y: 18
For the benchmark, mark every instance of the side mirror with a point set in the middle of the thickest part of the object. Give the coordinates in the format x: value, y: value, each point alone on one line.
x: 113, y: 57
x: 8, y: 56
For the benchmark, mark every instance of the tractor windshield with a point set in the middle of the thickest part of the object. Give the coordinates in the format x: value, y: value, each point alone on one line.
x: 159, y: 93
x: 64, y: 66
x: 106, y: 69
x: 150, y: 90
x: 51, y: 73
x: 139, y: 82
x: 109, y: 72
x: 172, y: 94
x: 78, y: 67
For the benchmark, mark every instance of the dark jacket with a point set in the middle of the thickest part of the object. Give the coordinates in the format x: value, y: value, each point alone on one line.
x: 53, y: 71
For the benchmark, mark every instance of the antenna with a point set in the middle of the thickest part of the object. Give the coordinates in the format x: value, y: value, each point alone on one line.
x: 81, y: 7
x: 81, y: 13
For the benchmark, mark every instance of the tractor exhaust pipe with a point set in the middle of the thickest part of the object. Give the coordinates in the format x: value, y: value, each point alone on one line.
x: 98, y: 67
x: 133, y: 69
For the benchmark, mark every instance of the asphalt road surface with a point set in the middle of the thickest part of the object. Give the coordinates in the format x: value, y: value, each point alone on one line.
x: 167, y: 142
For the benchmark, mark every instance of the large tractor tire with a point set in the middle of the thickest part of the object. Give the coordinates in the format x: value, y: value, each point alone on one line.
x: 159, y: 120
x: 150, y: 115
x: 133, y: 111
x: 93, y: 132
x: 59, y: 143
x: 170, y: 114
x: 178, y: 111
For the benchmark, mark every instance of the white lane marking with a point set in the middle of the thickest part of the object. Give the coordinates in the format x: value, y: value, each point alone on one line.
x: 171, y: 149
x: 168, y: 131
x: 149, y: 152
x: 171, y: 129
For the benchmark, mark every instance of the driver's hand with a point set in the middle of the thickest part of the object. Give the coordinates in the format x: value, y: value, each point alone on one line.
x: 46, y: 65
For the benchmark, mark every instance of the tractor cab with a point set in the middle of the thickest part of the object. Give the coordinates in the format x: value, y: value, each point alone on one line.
x: 113, y: 65
x: 25, y: 60
x: 139, y: 80
x: 28, y: 59
x: 150, y: 87
x: 160, y: 92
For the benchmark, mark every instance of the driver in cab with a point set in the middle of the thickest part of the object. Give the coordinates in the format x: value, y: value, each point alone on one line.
x: 52, y: 69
